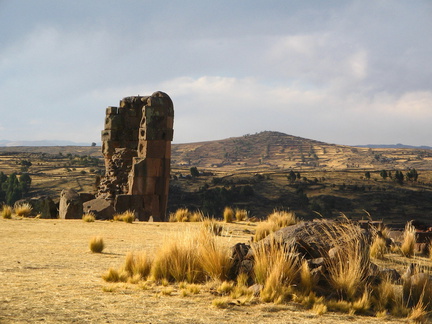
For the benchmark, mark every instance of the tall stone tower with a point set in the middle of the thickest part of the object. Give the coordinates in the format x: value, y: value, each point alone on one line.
x: 137, y: 151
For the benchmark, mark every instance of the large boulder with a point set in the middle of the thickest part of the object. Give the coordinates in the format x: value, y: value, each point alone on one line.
x: 70, y: 206
x: 43, y: 206
x: 101, y: 208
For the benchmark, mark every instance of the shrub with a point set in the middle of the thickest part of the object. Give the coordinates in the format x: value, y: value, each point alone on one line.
x: 228, y: 215
x: 97, y: 244
x: 23, y: 209
x: 408, y: 244
x: 88, y: 217
x: 6, y: 212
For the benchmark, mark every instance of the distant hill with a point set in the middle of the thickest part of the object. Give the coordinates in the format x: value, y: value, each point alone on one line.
x: 275, y: 150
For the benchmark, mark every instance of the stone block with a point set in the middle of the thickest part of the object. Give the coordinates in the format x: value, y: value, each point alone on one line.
x: 114, y: 122
x: 111, y: 111
x: 109, y: 135
x: 101, y: 208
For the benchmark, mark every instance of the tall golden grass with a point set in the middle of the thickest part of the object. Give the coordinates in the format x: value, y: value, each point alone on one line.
x: 274, y: 222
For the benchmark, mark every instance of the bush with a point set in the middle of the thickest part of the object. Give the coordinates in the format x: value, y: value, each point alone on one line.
x: 97, y: 244
x: 184, y: 215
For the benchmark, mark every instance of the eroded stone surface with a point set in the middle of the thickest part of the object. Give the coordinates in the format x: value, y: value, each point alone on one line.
x: 137, y: 151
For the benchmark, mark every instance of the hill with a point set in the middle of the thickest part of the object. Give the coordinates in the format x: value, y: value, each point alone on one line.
x: 274, y: 150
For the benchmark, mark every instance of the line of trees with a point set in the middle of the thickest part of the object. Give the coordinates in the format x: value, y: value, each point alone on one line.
x: 13, y: 187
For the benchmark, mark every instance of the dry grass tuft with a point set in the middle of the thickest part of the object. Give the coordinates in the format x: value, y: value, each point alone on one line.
x: 275, y: 221
x: 178, y: 260
x: 349, y: 265
x: 127, y: 217
x: 276, y: 268
x: 213, y: 226
x: 378, y: 248
x: 89, y: 217
x: 228, y: 215
x: 214, y: 258
x: 96, y: 244
x: 220, y: 302
x: 6, y: 212
x: 182, y: 215
x: 23, y: 210
x: 241, y: 214
x: 113, y: 275
x: 283, y: 218
x: 319, y: 308
x: 138, y: 264
x: 408, y: 244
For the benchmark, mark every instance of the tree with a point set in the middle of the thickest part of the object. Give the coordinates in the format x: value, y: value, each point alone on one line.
x: 194, y: 172
x: 93, y: 144
x: 292, y: 176
x: 412, y: 174
x: 367, y: 175
x: 399, y: 176
x: 383, y: 174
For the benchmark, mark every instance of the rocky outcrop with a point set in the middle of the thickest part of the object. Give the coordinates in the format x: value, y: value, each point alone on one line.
x: 70, y: 205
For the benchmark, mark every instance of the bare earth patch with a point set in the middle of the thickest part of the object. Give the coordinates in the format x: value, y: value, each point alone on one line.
x: 48, y: 274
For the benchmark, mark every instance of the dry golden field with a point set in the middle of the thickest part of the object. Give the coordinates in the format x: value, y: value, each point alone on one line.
x: 49, y: 275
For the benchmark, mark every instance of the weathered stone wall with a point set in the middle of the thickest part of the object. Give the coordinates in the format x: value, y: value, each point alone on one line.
x: 137, y: 151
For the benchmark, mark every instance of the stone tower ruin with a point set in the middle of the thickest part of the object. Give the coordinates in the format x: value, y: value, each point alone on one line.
x: 136, y: 144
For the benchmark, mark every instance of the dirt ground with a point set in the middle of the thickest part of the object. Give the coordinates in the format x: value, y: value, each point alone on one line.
x: 48, y: 274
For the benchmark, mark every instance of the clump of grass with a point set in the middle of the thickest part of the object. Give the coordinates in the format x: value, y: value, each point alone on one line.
x: 275, y: 221
x: 220, y: 302
x: 185, y: 215
x: 408, y: 244
x: 138, y: 264
x: 88, y: 217
x: 96, y: 244
x: 214, y: 257
x: 264, y: 229
x: 378, y: 248
x: 6, y: 212
x: 348, y: 267
x: 306, y: 280
x: 226, y: 287
x: 283, y: 218
x: 384, y: 295
x: 127, y: 217
x: 319, y: 308
x: 276, y: 268
x: 178, y: 260
x: 213, y: 226
x: 23, y: 209
x: 241, y: 214
x: 114, y: 275
x: 228, y: 215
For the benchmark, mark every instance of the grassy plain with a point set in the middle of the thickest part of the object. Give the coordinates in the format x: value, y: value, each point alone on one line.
x: 48, y: 274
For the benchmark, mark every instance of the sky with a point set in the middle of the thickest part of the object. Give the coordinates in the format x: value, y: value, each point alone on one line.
x: 346, y: 72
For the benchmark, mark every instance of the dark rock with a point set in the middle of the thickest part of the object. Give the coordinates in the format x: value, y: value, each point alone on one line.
x: 101, y: 208
x: 70, y: 206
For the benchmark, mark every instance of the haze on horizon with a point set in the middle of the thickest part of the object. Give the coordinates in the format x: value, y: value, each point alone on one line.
x: 345, y: 72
